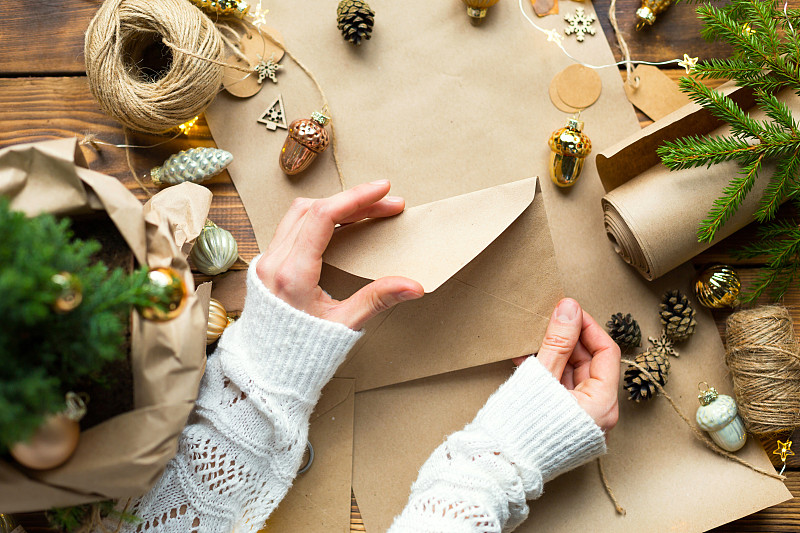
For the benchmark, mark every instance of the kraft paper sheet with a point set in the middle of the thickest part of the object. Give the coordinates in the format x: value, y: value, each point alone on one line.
x: 443, y: 108
x: 126, y: 454
x: 652, y: 215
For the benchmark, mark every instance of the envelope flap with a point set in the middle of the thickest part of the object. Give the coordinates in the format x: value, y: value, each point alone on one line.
x: 431, y: 242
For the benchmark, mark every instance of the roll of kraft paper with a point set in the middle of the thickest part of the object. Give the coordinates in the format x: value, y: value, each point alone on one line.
x: 651, y: 213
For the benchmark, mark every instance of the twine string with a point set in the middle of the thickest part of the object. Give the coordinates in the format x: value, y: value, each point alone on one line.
x: 620, y: 510
x: 631, y: 80
x: 701, y: 436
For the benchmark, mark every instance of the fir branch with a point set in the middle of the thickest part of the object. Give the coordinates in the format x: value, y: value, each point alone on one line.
x: 780, y: 186
x: 732, y: 197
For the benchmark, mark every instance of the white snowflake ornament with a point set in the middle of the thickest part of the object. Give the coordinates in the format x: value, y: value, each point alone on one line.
x: 580, y: 24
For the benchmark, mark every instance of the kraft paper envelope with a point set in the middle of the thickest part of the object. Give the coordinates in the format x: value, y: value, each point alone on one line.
x: 443, y: 108
x: 319, y: 500
x: 487, y: 261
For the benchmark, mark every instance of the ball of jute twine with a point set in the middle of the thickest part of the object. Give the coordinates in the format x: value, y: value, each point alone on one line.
x: 763, y: 355
x: 115, y: 43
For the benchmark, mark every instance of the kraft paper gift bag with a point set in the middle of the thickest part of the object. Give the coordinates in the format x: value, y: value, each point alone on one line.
x: 442, y: 108
x: 487, y: 264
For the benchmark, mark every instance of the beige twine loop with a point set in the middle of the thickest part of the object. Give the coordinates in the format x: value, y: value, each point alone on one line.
x: 763, y: 354
x: 115, y: 44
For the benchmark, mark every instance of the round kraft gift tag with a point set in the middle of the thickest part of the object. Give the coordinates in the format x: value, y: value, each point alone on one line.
x: 578, y: 86
x: 254, y: 46
x: 560, y: 105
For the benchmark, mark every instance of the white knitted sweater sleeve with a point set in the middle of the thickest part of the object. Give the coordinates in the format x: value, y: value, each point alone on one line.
x: 530, y: 431
x: 245, y: 440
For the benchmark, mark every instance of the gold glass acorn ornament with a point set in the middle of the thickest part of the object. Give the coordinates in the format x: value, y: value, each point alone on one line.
x: 476, y: 9
x: 168, y: 295
x: 215, y: 250
x: 70, y: 292
x: 306, y: 139
x: 719, y: 416
x: 646, y: 15
x: 718, y: 286
x: 218, y: 320
x: 195, y: 165
x: 570, y: 146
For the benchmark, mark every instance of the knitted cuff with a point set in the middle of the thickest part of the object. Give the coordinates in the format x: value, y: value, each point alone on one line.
x: 285, y: 347
x: 540, y: 424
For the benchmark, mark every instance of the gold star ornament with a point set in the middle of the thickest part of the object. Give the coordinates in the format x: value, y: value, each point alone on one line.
x: 784, y: 449
x: 688, y: 63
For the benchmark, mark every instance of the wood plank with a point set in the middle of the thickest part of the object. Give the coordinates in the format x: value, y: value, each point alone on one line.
x: 36, y: 109
x: 44, y: 36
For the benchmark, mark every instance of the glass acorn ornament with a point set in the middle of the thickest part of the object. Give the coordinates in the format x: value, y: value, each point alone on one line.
x: 306, y: 139
x: 218, y: 320
x: 215, y: 250
x: 569, y: 146
x: 195, y: 165
x: 477, y: 9
x: 168, y: 295
x: 719, y: 416
x: 646, y: 15
x: 718, y: 286
x: 70, y: 293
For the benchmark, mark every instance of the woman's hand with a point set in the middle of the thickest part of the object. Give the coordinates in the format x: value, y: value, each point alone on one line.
x: 291, y: 266
x: 580, y: 354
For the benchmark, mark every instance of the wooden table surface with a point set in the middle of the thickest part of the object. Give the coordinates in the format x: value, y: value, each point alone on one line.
x: 44, y: 95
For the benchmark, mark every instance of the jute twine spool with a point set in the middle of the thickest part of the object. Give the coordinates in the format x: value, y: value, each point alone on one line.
x: 763, y: 355
x: 117, y: 40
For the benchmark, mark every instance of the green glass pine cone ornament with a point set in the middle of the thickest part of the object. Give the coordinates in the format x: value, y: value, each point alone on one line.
x: 624, y: 330
x: 356, y: 20
x: 195, y: 165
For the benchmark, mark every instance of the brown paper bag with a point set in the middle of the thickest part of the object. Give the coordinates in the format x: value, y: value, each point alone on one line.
x: 443, y: 108
x: 126, y: 454
x: 652, y: 213
x: 486, y: 261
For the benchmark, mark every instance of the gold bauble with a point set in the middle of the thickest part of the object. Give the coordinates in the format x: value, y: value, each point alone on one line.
x: 569, y: 146
x: 476, y: 9
x: 71, y: 294
x: 218, y: 320
x: 52, y: 444
x: 717, y: 286
x: 171, y: 297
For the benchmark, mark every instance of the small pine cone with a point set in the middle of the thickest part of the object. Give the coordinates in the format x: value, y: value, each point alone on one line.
x: 625, y: 331
x: 677, y: 316
x: 638, y: 385
x: 355, y: 19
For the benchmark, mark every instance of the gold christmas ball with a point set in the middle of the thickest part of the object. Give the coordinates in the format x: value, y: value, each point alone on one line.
x: 218, y: 320
x: 170, y: 295
x: 476, y: 9
x: 52, y: 444
x: 71, y: 294
x: 717, y: 286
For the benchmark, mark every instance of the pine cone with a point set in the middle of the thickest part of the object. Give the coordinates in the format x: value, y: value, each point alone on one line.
x: 639, y: 386
x: 677, y: 316
x: 355, y: 19
x: 625, y: 331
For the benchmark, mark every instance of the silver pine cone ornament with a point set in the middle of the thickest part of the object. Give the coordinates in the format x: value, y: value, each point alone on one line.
x: 355, y: 19
x: 195, y: 165
x: 638, y: 384
x: 677, y: 316
x: 625, y: 331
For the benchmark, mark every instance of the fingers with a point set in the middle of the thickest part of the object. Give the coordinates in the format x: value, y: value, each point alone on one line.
x: 297, y: 211
x: 387, y: 207
x: 561, y: 336
x: 323, y: 215
x: 604, y: 351
x: 378, y: 296
x: 581, y: 362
